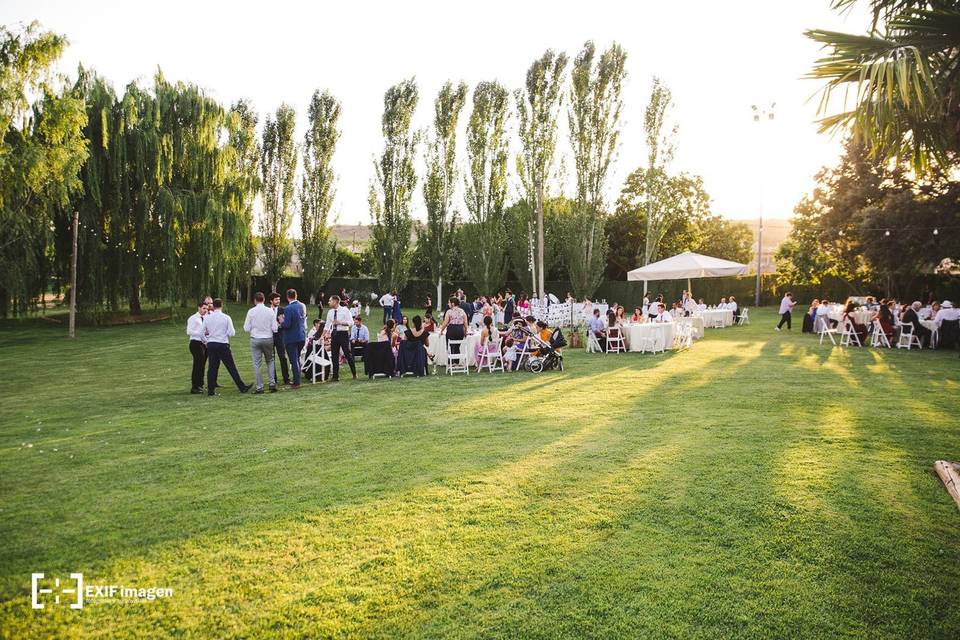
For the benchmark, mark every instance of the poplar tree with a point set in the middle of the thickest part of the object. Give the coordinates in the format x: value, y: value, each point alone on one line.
x: 242, y: 186
x: 438, y: 234
x: 317, y: 248
x: 538, y: 105
x: 660, y: 149
x: 392, y: 190
x: 484, y: 238
x: 278, y: 168
x: 594, y: 126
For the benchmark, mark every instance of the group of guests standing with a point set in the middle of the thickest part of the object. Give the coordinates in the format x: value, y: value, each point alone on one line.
x: 276, y: 333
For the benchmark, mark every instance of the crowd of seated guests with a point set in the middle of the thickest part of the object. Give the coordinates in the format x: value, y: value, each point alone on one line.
x: 891, y: 316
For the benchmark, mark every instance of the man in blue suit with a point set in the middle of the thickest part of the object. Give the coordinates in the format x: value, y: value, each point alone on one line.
x: 294, y: 333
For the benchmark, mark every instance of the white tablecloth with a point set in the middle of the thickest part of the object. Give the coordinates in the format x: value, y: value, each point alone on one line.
x: 438, y: 348
x: 661, y: 332
x: 710, y: 315
x: 862, y: 316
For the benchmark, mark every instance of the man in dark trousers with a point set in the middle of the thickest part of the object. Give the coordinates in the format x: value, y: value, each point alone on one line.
x: 278, y: 339
x: 198, y: 346
x: 508, y: 308
x: 218, y: 328
x: 294, y: 333
x: 338, y: 324
x: 911, y: 317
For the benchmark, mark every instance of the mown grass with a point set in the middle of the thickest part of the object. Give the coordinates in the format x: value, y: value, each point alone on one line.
x: 758, y: 485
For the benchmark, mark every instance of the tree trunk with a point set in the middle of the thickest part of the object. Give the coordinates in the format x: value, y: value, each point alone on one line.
x: 541, y: 277
x: 135, y: 308
x: 439, y: 301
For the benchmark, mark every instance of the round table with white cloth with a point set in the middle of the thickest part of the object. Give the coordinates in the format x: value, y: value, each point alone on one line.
x: 661, y: 332
x: 438, y: 348
x: 860, y: 316
x: 710, y: 316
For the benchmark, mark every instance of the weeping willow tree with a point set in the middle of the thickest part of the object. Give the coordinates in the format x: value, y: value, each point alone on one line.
x: 278, y: 166
x: 164, y: 211
x: 392, y: 191
x: 41, y: 151
x: 93, y: 204
x: 437, y: 235
x: 317, y: 248
x: 594, y: 126
x: 484, y: 238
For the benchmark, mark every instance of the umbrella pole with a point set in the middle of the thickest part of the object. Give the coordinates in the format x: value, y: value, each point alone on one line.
x: 689, y: 289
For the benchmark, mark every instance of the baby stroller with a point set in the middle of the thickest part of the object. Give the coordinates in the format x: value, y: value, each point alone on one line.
x: 548, y: 353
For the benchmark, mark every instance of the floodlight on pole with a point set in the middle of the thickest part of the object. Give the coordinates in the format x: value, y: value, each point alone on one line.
x: 770, y: 114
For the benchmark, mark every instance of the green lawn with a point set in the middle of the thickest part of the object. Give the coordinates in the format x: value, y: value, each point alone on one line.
x: 758, y: 485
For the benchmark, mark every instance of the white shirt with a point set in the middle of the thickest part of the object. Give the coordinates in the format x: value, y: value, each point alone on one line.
x: 732, y: 306
x: 218, y: 326
x: 338, y: 319
x: 386, y: 300
x: 195, y: 327
x: 947, y: 314
x: 665, y: 317
x: 260, y: 322
x: 786, y: 305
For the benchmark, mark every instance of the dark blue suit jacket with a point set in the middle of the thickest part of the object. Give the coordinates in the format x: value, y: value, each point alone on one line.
x: 293, y: 323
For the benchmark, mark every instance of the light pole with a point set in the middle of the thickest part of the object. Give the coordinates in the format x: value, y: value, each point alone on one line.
x: 761, y: 115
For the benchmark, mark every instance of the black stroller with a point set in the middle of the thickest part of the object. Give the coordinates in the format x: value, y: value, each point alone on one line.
x: 548, y: 354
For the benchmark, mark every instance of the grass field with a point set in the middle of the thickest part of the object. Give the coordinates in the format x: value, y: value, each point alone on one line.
x: 758, y: 485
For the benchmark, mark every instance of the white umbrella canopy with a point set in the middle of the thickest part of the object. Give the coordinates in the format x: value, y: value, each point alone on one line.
x: 687, y: 265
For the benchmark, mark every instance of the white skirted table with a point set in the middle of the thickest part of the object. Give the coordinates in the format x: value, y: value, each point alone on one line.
x: 438, y: 348
x: 710, y: 316
x: 860, y: 316
x: 661, y: 332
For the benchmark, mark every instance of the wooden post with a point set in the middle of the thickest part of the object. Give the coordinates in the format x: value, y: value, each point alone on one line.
x: 73, y: 278
x: 949, y: 473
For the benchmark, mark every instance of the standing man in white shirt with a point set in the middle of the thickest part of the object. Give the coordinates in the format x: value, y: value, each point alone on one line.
x: 338, y: 325
x: 279, y: 350
x: 198, y: 347
x: 786, y: 306
x: 386, y: 301
x: 261, y: 324
x: 218, y: 328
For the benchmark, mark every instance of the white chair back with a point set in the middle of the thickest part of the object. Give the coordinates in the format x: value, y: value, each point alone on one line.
x: 457, y: 362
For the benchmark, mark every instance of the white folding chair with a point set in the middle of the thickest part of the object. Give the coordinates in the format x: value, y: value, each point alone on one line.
x: 593, y: 345
x: 879, y: 337
x: 744, y: 317
x: 615, y: 341
x: 683, y: 337
x: 908, y: 338
x: 827, y: 330
x: 491, y: 357
x: 849, y: 335
x: 457, y: 362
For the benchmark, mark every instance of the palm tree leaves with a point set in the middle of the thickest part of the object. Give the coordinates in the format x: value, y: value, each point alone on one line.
x: 902, y: 84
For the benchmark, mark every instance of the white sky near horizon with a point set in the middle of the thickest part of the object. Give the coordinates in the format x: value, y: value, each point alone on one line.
x: 718, y: 58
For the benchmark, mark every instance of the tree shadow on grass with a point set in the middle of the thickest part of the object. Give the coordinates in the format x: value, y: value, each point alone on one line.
x: 384, y: 517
